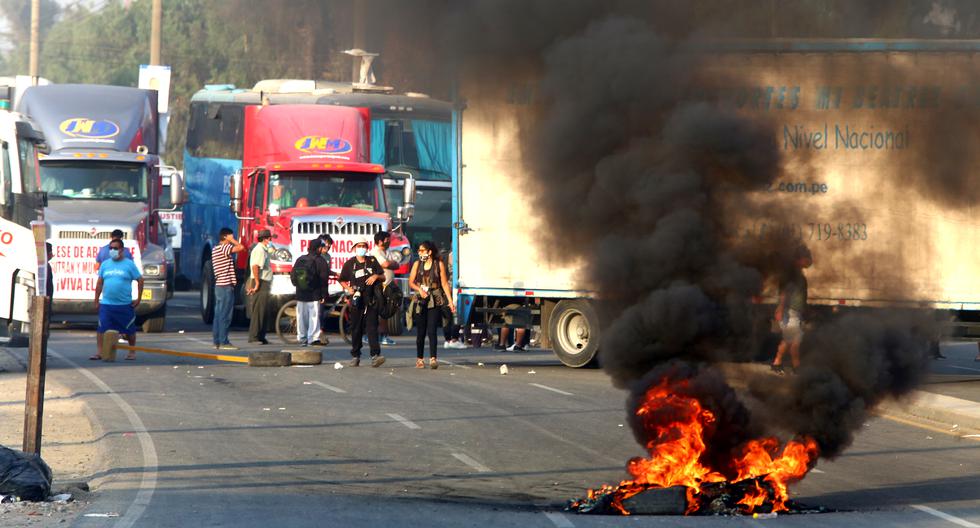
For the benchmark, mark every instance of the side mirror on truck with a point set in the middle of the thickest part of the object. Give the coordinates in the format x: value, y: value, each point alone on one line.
x: 177, y: 189
x: 407, y: 210
x: 235, y: 191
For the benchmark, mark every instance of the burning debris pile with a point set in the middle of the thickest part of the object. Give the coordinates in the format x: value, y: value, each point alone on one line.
x: 682, y: 436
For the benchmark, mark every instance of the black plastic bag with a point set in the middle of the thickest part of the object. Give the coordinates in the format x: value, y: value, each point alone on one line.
x: 24, y: 475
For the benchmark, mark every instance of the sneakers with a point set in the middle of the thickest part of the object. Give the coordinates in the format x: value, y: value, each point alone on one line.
x: 354, y: 362
x: 377, y: 361
x: 303, y: 344
x: 515, y: 348
x: 321, y: 342
x: 455, y: 344
x: 498, y: 346
x: 227, y: 346
x: 387, y: 341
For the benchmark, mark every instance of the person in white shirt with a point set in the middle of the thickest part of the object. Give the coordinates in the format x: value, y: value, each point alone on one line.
x: 382, y: 240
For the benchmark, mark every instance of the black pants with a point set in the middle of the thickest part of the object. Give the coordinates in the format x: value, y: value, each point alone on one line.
x: 427, y: 323
x: 260, y: 312
x: 361, y: 320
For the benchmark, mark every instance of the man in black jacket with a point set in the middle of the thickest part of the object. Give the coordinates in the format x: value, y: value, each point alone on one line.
x: 359, y: 277
x: 310, y: 275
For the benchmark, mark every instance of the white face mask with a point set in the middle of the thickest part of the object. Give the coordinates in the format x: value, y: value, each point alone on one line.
x: 360, y: 251
x: 424, y: 257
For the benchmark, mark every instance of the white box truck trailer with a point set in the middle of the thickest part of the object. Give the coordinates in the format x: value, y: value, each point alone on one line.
x: 860, y: 126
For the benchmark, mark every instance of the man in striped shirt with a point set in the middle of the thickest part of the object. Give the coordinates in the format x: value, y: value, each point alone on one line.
x: 224, y: 286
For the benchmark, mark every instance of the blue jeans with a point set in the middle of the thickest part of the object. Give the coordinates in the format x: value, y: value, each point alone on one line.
x: 224, y: 303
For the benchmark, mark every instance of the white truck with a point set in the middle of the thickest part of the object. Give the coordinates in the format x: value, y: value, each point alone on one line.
x: 858, y: 124
x: 20, y: 203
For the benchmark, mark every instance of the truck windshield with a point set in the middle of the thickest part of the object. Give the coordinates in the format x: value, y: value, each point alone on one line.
x: 326, y: 189
x: 433, y: 215
x: 94, y: 180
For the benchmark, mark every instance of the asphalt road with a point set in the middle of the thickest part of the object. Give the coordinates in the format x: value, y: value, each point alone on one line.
x: 197, y: 443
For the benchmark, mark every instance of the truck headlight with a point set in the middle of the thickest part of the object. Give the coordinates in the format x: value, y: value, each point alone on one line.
x: 154, y: 270
x: 283, y: 255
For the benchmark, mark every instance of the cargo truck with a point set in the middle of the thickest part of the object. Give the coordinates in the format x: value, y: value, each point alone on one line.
x: 854, y: 121
x: 102, y: 174
x: 20, y: 204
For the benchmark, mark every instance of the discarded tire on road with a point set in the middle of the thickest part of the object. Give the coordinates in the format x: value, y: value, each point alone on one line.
x: 269, y: 359
x: 306, y: 357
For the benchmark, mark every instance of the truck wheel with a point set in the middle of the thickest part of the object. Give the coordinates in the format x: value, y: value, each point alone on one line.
x: 396, y: 324
x: 287, y: 323
x: 207, y: 293
x: 575, y: 333
x: 154, y: 322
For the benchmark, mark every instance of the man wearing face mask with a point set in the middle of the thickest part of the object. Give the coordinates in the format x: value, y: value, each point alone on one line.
x: 359, y: 276
x: 114, y: 297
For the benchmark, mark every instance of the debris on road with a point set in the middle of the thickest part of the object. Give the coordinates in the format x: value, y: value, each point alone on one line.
x: 180, y: 331
x: 24, y: 475
x: 63, y: 498
x: 531, y: 371
x: 102, y: 515
x: 480, y: 364
x: 337, y: 366
x: 504, y: 370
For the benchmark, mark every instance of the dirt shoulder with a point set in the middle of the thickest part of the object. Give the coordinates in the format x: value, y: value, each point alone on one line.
x: 69, y: 444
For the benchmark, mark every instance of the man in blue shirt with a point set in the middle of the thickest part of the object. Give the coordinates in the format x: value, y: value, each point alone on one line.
x: 103, y: 254
x: 114, y: 297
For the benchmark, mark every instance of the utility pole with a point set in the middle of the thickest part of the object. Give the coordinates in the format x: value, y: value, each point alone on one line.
x: 157, y: 19
x: 359, y: 33
x: 35, y: 38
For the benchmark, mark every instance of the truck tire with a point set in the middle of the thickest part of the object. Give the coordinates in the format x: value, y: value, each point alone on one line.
x: 153, y: 323
x: 396, y: 324
x: 575, y: 333
x: 207, y: 293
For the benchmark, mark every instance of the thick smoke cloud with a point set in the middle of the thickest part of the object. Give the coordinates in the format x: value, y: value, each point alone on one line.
x: 647, y: 179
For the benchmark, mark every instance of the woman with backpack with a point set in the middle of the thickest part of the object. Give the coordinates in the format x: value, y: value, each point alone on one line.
x: 428, y: 278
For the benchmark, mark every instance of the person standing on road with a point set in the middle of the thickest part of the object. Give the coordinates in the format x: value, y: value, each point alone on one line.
x: 428, y: 278
x: 225, y: 281
x: 382, y: 240
x: 103, y: 254
x: 358, y: 277
x: 789, y: 311
x: 114, y: 297
x: 259, y: 287
x: 310, y: 275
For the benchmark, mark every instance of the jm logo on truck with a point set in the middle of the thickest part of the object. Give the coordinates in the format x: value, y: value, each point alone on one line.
x: 80, y: 127
x: 322, y: 145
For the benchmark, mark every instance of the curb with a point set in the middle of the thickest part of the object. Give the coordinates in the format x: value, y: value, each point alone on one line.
x: 938, y: 408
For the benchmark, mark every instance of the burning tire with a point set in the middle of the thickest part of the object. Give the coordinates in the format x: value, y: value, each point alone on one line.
x: 575, y: 334
x: 207, y: 293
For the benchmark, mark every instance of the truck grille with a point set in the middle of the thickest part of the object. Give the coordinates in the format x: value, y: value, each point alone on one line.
x: 331, y: 228
x: 88, y: 235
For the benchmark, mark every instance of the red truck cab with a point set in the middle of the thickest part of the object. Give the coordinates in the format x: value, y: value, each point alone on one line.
x: 306, y: 171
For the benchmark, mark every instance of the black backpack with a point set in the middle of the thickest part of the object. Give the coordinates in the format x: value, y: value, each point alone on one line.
x: 303, y: 274
x: 391, y: 301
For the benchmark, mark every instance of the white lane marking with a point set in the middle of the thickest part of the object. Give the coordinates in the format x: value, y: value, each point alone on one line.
x: 148, y: 483
x: 552, y: 389
x: 329, y: 387
x: 558, y: 520
x: 815, y: 470
x: 453, y: 364
x: 945, y: 516
x: 964, y: 368
x: 469, y: 461
x: 404, y: 421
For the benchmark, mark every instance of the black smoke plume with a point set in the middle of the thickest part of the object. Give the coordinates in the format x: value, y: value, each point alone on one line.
x: 648, y: 178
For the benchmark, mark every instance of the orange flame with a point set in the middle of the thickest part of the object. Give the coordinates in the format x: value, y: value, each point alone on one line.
x: 679, y: 425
